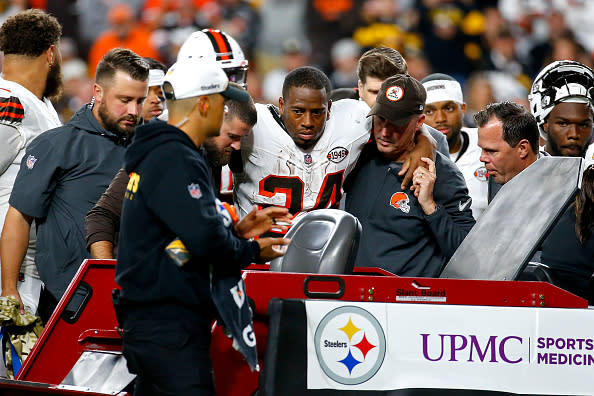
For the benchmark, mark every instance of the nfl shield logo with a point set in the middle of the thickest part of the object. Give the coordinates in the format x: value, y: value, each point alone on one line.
x: 308, y: 160
x: 31, y: 161
x: 194, y: 190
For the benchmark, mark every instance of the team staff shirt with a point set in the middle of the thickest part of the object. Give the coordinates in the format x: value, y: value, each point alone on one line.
x: 468, y: 160
x: 277, y: 172
x: 63, y: 173
x: 23, y: 117
x: 397, y: 235
x: 172, y: 228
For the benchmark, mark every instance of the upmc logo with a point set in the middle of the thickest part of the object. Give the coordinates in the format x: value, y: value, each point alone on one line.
x: 350, y: 345
x: 471, y: 348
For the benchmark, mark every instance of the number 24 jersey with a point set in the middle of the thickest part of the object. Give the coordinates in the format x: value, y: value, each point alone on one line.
x: 278, y: 172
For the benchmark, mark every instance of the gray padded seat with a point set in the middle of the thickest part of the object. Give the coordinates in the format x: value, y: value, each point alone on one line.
x: 324, y: 241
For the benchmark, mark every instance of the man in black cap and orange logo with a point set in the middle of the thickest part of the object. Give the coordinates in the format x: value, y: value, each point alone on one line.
x: 418, y: 241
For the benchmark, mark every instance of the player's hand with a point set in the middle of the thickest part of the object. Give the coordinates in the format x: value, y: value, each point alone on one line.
x: 259, y: 221
x: 271, y: 248
x: 15, y: 293
x: 423, y: 183
x: 425, y: 146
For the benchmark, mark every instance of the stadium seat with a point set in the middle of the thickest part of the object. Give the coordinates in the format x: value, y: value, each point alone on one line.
x: 324, y: 241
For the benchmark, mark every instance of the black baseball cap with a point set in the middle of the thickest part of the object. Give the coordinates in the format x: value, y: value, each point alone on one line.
x: 399, y: 99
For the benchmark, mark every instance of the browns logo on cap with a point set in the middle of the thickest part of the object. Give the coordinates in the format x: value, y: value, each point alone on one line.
x: 399, y: 99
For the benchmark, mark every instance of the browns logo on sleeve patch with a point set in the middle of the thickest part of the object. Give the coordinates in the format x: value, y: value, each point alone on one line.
x: 11, y: 111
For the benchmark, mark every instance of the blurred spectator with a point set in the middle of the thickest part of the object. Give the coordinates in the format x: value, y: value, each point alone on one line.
x: 280, y: 20
x: 235, y: 17
x: 502, y: 57
x: 125, y: 32
x: 579, y: 16
x: 92, y: 17
x: 327, y: 21
x: 65, y: 12
x: 11, y: 7
x: 542, y: 49
x: 380, y: 27
x: 418, y: 65
x: 170, y: 20
x: 78, y: 88
x: 296, y: 54
x: 478, y: 94
x: 444, y: 41
x: 345, y: 55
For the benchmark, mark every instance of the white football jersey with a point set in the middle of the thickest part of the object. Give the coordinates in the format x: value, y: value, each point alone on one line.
x: 22, y: 110
x: 277, y: 172
x: 473, y: 170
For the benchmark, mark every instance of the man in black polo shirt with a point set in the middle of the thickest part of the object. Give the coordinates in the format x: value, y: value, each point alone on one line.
x: 63, y: 173
x: 407, y: 232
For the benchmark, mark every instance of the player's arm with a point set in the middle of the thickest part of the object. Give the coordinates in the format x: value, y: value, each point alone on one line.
x: 103, y: 221
x: 13, y: 246
x: 425, y: 147
x: 11, y: 142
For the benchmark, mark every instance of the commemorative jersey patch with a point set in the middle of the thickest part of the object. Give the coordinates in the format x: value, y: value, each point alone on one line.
x: 31, y: 160
x: 194, y: 190
x: 11, y: 111
x: 400, y: 201
x: 481, y: 173
x: 337, y: 154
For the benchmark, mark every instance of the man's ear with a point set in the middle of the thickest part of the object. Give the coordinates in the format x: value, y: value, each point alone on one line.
x: 203, y: 104
x: 524, y: 148
x: 98, y: 93
x: 420, y: 121
x: 50, y: 54
x: 328, y: 112
x: 281, y: 105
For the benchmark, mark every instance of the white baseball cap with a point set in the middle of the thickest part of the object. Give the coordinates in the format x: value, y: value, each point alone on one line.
x: 191, y: 78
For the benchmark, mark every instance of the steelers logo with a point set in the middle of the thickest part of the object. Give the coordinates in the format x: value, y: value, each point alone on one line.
x: 350, y: 345
x: 394, y: 93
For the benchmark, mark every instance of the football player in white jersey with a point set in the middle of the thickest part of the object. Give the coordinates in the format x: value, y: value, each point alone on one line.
x: 444, y: 111
x: 30, y: 77
x: 298, y: 155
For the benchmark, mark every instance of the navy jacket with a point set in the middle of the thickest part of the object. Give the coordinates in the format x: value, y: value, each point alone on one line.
x: 63, y: 173
x: 397, y: 235
x: 171, y: 195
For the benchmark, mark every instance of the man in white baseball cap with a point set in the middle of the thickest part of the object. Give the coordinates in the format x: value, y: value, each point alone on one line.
x: 170, y: 219
x: 444, y: 111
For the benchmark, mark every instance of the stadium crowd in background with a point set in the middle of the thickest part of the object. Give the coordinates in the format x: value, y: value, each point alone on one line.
x: 507, y: 42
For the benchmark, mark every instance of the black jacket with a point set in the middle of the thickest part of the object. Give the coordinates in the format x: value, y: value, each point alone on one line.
x: 64, y: 172
x: 397, y: 235
x: 170, y: 195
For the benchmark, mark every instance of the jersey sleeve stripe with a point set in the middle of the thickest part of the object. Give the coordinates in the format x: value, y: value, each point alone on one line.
x: 11, y: 110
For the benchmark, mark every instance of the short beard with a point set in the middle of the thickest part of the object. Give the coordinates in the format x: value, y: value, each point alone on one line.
x: 554, y: 149
x: 54, y: 86
x: 113, y: 125
x: 214, y: 156
x: 453, y: 139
